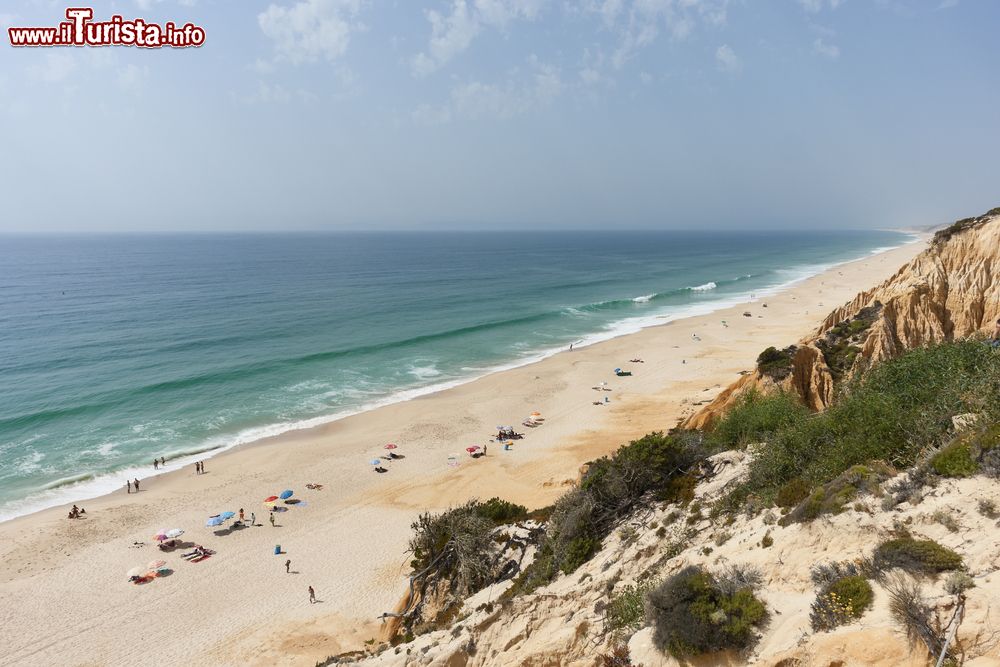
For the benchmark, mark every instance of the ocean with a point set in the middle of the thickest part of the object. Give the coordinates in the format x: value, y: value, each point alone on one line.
x: 118, y: 349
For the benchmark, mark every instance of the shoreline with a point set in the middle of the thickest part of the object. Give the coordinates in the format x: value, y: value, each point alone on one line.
x: 66, y: 578
x: 103, y: 484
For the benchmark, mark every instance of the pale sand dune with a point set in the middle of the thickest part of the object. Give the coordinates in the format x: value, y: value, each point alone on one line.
x: 64, y: 598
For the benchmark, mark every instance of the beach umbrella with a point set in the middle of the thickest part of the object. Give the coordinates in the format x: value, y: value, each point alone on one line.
x: 472, y: 449
x: 536, y: 414
x: 270, y: 499
x: 227, y: 515
x: 160, y: 535
x: 136, y: 572
x: 391, y: 446
x: 286, y: 494
x: 174, y: 533
x: 214, y: 521
x: 156, y: 564
x: 376, y: 462
x: 618, y: 370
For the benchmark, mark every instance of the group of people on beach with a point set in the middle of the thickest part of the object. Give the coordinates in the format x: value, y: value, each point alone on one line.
x: 130, y: 484
x: 159, y: 462
x: 77, y: 512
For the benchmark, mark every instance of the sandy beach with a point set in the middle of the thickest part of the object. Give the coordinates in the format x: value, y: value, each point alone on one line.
x: 65, y: 598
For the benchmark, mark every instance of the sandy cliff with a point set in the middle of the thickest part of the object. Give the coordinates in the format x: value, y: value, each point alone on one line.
x: 566, y: 623
x: 949, y: 291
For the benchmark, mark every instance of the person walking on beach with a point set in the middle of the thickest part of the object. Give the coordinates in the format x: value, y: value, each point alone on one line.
x: 156, y: 464
x: 271, y: 519
x: 253, y: 519
x: 241, y: 515
x: 312, y: 595
x: 135, y: 483
x: 288, y: 564
x: 484, y: 450
x: 128, y: 486
x: 163, y: 461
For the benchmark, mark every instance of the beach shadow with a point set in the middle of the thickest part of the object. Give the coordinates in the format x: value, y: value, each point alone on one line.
x: 292, y: 501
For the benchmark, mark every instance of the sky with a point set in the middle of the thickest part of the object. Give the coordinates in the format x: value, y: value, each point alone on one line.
x: 506, y: 114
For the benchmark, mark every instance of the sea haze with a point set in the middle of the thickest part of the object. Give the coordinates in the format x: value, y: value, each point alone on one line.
x: 118, y: 349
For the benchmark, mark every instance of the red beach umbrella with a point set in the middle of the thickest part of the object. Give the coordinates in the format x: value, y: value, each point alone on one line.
x: 390, y: 446
x: 270, y: 499
x: 472, y: 449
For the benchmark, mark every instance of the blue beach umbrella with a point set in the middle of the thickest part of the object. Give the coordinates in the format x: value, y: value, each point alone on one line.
x: 286, y: 494
x: 227, y: 515
x: 376, y: 462
x: 214, y: 521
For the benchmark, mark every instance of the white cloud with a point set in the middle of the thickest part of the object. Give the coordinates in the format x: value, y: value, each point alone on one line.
x: 148, y: 4
x: 56, y: 67
x: 830, y: 51
x: 519, y: 94
x: 639, y: 23
x: 275, y: 93
x: 131, y: 77
x: 452, y: 34
x: 727, y: 60
x: 425, y: 114
x: 816, y: 6
x: 311, y: 30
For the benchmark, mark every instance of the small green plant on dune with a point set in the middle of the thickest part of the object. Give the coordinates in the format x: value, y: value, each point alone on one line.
x: 754, y: 417
x: 915, y: 556
x: 955, y: 460
x: 775, y: 363
x: 626, y: 610
x: 692, y: 614
x: 840, y: 602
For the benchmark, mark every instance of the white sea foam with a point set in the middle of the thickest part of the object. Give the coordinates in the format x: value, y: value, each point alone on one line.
x: 704, y: 288
x: 424, y: 372
x: 646, y: 298
x: 90, y: 486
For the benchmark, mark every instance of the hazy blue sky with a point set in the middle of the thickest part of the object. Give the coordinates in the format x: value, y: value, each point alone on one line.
x: 307, y: 114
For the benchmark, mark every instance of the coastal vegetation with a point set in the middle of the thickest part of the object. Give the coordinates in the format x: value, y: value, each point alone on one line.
x: 896, y: 414
x: 694, y: 612
x: 775, y: 363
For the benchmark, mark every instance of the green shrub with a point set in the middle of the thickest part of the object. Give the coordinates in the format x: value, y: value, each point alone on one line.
x: 625, y: 611
x: 955, y: 460
x: 792, y: 493
x: 754, y: 418
x: 894, y: 413
x: 833, y: 497
x: 456, y: 546
x: 775, y: 363
x: 500, y: 511
x: 692, y: 615
x: 915, y: 556
x: 840, y: 602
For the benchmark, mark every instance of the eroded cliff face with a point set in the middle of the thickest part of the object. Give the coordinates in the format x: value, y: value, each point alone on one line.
x: 949, y: 291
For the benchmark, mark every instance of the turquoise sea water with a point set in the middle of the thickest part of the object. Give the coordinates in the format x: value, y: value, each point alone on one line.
x: 116, y: 349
